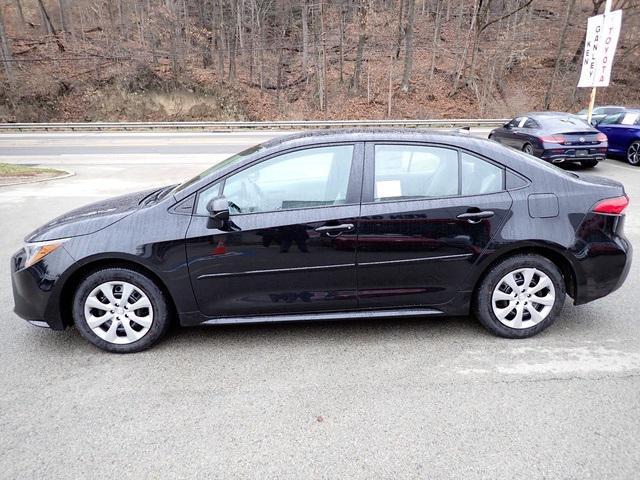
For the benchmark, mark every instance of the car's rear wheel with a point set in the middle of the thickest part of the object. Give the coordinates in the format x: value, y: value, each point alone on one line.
x: 527, y: 148
x: 520, y: 296
x: 589, y: 163
x: 120, y: 310
x: 633, y: 153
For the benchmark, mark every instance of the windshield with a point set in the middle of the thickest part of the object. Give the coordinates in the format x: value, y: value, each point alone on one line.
x: 237, y: 158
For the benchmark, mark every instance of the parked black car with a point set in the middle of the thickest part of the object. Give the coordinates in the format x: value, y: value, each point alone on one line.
x: 599, y: 113
x: 555, y: 137
x: 332, y: 225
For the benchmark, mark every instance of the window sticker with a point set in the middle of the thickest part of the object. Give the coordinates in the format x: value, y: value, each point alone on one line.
x: 629, y: 118
x: 388, y: 188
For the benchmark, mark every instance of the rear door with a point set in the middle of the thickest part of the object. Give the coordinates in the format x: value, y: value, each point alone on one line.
x: 428, y: 212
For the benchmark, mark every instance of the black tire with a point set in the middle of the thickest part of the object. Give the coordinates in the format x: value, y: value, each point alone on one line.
x: 482, y: 305
x: 589, y: 163
x: 633, y: 154
x: 528, y: 148
x: 156, y: 330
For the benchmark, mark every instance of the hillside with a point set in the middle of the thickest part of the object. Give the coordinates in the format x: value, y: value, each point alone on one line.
x: 91, y: 60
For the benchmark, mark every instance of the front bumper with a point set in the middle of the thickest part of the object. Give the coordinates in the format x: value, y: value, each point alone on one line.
x: 36, y: 290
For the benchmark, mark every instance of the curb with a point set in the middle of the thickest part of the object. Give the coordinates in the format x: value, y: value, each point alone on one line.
x: 67, y: 174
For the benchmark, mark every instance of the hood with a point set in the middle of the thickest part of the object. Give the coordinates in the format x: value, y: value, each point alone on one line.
x: 90, y: 218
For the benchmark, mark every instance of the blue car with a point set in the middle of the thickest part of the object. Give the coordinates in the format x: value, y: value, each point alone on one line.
x: 623, y: 131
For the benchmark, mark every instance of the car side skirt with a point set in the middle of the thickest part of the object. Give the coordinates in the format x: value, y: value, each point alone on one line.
x: 192, y: 319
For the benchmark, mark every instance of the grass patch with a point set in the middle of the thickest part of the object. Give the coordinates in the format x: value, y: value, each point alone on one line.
x: 9, y: 170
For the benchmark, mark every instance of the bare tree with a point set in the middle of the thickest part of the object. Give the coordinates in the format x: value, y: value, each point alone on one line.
x: 408, y: 54
x: 556, y: 67
x: 363, y: 10
x: 5, y: 49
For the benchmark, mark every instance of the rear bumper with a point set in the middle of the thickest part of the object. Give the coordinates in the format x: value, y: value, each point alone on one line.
x: 36, y: 290
x: 570, y: 155
x: 603, y: 265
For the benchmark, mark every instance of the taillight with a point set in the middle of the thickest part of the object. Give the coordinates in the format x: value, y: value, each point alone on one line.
x: 612, y: 206
x: 553, y: 139
x: 601, y: 137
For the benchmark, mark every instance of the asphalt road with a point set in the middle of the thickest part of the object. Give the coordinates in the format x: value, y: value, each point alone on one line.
x: 435, y: 398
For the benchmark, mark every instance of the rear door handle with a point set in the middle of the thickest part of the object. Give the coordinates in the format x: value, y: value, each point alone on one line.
x: 335, y: 230
x: 475, y: 217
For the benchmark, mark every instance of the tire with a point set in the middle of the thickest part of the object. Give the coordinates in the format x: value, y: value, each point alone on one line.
x: 633, y: 154
x: 114, y: 326
x: 589, y: 163
x: 527, y: 148
x: 493, y: 288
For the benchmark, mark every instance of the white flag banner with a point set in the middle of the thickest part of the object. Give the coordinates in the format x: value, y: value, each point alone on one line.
x: 599, y: 48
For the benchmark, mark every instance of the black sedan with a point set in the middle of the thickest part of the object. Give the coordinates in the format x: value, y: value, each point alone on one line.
x: 554, y: 137
x: 330, y: 226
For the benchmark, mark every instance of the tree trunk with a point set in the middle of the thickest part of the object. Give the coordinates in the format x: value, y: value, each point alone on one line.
x: 556, y: 67
x: 400, y: 34
x: 305, y: 35
x: 436, y: 35
x: 408, y: 54
x: 20, y: 12
x: 49, y: 28
x: 362, y: 35
x: 62, y: 6
x: 5, y: 49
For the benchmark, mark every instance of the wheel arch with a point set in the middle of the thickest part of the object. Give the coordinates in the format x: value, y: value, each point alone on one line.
x: 551, y: 253
x: 93, y: 265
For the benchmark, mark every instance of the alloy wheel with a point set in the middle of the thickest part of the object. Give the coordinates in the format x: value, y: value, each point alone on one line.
x: 118, y: 312
x: 633, y: 154
x: 523, y: 298
x: 528, y: 149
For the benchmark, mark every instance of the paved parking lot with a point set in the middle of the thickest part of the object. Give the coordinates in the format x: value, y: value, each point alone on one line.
x: 436, y: 398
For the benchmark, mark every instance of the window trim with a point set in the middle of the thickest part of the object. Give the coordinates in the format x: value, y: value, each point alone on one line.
x: 368, y: 187
x: 354, y: 183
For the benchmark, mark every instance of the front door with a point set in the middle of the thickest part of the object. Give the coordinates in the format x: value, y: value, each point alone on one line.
x: 427, y: 214
x: 279, y: 253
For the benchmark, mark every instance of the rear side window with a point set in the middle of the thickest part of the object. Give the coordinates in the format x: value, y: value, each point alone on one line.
x: 479, y: 176
x: 529, y: 123
x: 407, y: 171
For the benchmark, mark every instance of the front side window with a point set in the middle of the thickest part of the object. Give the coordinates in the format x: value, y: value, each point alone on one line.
x: 405, y: 172
x: 302, y: 179
x: 516, y: 122
x: 612, y: 119
x: 479, y: 176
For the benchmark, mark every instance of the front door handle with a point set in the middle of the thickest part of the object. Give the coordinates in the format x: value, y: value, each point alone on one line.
x: 335, y: 230
x: 475, y: 217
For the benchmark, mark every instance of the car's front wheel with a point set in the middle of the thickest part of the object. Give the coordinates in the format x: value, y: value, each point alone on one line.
x: 520, y: 296
x: 120, y: 310
x: 633, y: 153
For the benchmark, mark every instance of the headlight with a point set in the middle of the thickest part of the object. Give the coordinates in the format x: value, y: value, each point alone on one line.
x: 36, y: 251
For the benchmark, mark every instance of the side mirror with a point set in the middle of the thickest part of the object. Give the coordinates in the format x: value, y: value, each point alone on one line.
x: 507, y: 125
x: 218, y: 209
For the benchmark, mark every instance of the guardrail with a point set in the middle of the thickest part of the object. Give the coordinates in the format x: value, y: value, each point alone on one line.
x: 279, y: 125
